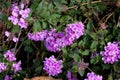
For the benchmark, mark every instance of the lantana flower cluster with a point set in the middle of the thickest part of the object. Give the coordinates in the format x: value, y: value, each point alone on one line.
x: 11, y: 36
x: 111, y: 53
x: 52, y: 66
x: 19, y: 14
x: 93, y: 76
x: 54, y: 41
x: 10, y: 57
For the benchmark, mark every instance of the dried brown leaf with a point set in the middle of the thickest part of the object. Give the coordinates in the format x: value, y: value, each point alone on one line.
x: 42, y: 78
x: 118, y: 3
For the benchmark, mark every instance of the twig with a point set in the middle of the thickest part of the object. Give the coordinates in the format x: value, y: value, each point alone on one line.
x: 18, y: 41
x: 92, y: 2
x: 22, y: 43
x: 89, y: 69
x: 108, y: 17
x: 85, y: 21
x: 59, y: 56
x: 72, y: 7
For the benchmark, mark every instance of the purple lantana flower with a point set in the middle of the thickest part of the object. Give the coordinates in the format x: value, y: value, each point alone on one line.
x: 2, y: 67
x: 19, y: 14
x: 93, y: 76
x: 111, y: 53
x: 52, y: 66
x: 9, y: 56
x: 16, y: 67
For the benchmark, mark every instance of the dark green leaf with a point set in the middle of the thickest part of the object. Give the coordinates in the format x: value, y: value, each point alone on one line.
x: 4, y: 17
x: 75, y: 56
x: 106, y: 66
x: 38, y: 70
x: 81, y: 72
x: 73, y: 45
x: 85, y: 53
x: 75, y: 68
x: 94, y: 45
x: 28, y: 49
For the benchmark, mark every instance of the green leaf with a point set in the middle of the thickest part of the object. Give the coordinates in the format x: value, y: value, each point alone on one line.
x: 38, y: 69
x: 75, y: 56
x: 1, y: 57
x: 108, y: 38
x: 54, y: 18
x: 100, y: 7
x: 44, y: 25
x: 115, y: 31
x: 90, y: 25
x: 27, y: 42
x: 5, y: 4
x: 36, y: 26
x: 110, y: 77
x: 75, y: 68
x: 73, y: 45
x: 65, y: 18
x: 106, y: 66
x: 81, y: 72
x: 93, y: 35
x: 81, y: 43
x: 16, y: 29
x: 34, y: 5
x: 93, y: 45
x: 93, y: 61
x: 65, y: 53
x: 116, y: 67
x: 118, y: 38
x: 28, y: 49
x: 3, y: 17
x: 96, y: 68
x: 85, y: 53
x: 39, y: 7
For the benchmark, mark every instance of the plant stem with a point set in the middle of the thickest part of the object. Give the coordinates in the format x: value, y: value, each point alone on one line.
x: 18, y: 41
x: 91, y: 2
x: 89, y: 69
